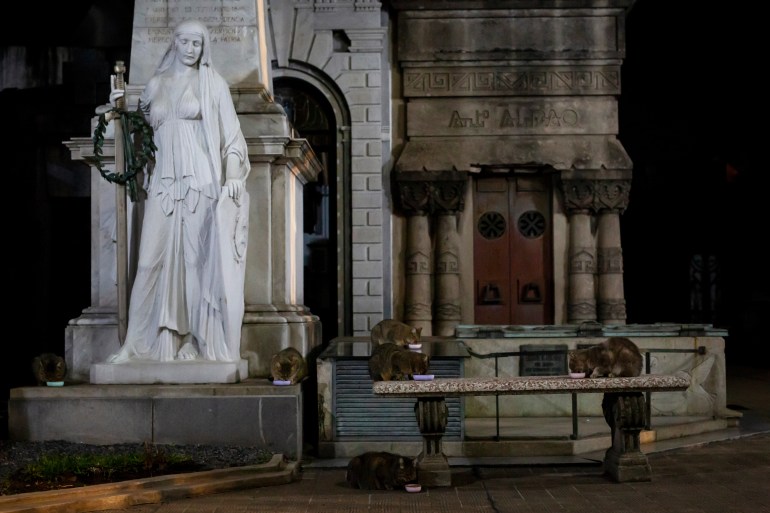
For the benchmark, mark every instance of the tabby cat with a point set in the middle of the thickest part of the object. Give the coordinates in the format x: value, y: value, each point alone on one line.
x: 391, y: 330
x: 48, y: 367
x: 288, y: 365
x: 392, y: 362
x: 380, y: 470
x: 615, y: 357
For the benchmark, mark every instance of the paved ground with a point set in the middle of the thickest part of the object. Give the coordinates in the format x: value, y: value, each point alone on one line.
x: 720, y: 477
x: 700, y: 476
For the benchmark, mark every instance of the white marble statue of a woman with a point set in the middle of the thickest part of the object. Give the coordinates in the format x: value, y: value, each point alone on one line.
x: 186, y: 302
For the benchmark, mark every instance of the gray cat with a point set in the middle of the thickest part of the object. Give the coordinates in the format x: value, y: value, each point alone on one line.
x: 392, y: 362
x: 48, y: 367
x: 615, y: 357
x: 288, y: 364
x: 379, y: 470
x: 391, y: 330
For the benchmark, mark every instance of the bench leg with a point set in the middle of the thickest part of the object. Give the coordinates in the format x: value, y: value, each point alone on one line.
x: 625, y: 413
x: 432, y: 465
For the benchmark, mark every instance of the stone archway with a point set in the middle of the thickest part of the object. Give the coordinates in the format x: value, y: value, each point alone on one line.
x: 316, y: 111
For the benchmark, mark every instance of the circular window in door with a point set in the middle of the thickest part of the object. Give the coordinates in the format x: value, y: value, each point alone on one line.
x: 531, y: 224
x: 491, y: 225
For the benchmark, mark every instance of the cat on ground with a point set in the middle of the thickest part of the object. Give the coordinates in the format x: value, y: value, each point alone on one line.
x: 392, y: 362
x: 615, y: 357
x: 49, y: 367
x: 380, y: 470
x: 288, y: 364
x: 391, y: 330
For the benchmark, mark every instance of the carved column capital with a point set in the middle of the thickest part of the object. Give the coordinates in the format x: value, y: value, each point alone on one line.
x: 431, y: 192
x: 578, y: 195
x: 582, y: 195
x: 612, y: 195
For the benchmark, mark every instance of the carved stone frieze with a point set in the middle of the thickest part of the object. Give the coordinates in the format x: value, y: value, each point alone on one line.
x: 448, y: 262
x: 448, y: 312
x: 583, y: 195
x: 585, y: 310
x: 612, y: 310
x: 417, y: 311
x: 582, y: 261
x: 610, y: 260
x: 417, y: 263
x: 613, y: 194
x: 488, y: 81
x: 431, y: 193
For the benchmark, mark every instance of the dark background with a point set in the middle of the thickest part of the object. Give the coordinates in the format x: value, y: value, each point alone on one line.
x: 691, y: 118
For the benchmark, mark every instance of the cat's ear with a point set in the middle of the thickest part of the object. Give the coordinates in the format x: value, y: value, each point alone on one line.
x: 418, y: 331
x: 401, y: 462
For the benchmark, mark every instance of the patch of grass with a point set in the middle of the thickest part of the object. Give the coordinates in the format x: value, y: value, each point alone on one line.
x: 54, y: 470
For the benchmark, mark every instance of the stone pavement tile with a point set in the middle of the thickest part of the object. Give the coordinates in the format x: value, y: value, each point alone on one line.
x: 724, y: 477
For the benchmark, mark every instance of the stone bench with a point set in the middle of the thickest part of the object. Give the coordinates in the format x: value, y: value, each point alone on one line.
x: 623, y: 406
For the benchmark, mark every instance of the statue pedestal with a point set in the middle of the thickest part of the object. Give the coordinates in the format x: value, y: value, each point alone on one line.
x: 253, y: 412
x: 176, y: 372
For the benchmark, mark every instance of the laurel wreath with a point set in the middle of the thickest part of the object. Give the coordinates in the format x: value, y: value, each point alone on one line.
x: 136, y: 156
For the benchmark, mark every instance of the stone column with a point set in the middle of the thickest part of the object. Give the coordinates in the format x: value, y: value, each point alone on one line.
x: 612, y: 199
x: 612, y: 303
x: 275, y: 316
x: 581, y: 304
x: 417, y: 302
x: 440, y: 194
x: 447, y: 275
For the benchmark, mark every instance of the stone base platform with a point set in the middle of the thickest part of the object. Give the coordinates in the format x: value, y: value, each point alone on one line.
x: 250, y: 413
x: 540, y: 439
x: 176, y: 372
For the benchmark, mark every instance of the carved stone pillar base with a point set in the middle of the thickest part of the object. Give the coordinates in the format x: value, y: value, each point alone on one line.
x: 625, y: 414
x: 432, y: 465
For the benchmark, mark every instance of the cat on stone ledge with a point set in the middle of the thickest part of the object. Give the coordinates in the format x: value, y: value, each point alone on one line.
x: 49, y: 367
x: 614, y: 357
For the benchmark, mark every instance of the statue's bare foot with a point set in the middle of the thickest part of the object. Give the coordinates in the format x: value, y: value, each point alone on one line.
x: 187, y: 352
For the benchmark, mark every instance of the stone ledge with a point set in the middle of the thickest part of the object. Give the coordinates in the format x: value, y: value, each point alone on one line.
x: 530, y: 385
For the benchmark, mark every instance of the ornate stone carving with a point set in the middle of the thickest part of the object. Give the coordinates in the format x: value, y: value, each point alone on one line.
x: 610, y: 260
x: 625, y: 414
x: 585, y: 310
x: 582, y: 261
x: 612, y: 310
x: 486, y: 81
x: 431, y: 193
x: 595, y: 195
x: 578, y: 195
x: 612, y: 194
x: 418, y: 263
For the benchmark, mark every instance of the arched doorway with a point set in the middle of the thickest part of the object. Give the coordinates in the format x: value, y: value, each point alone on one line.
x: 312, y: 116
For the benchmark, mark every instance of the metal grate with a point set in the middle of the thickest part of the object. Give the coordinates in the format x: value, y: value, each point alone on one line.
x: 359, y: 414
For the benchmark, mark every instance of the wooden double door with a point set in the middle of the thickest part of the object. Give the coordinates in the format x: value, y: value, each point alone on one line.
x: 513, y: 249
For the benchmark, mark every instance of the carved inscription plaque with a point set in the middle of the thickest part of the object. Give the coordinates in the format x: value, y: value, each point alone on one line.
x: 521, y: 81
x: 233, y: 27
x: 589, y: 115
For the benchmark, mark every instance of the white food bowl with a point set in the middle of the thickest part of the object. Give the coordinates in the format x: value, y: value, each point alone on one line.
x: 422, y: 377
x: 414, y: 346
x: 281, y: 382
x: 413, y: 488
x: 577, y: 375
